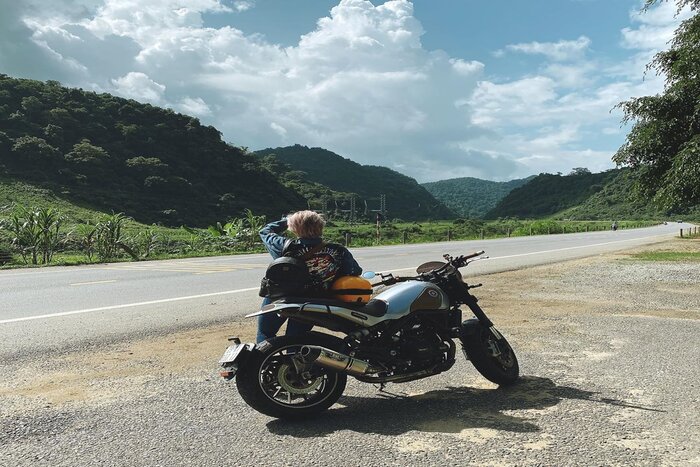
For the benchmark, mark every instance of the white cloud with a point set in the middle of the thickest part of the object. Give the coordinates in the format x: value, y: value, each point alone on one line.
x: 138, y: 86
x: 194, y: 106
x: 361, y: 83
x: 279, y: 129
x: 574, y: 75
x: 243, y: 5
x: 561, y: 51
x: 499, y: 104
x: 465, y: 67
x: 655, y: 27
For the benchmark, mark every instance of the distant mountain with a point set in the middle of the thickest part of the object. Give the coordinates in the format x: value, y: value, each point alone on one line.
x: 110, y: 153
x: 472, y: 197
x: 547, y: 194
x: 614, y: 201
x: 607, y: 195
x: 405, y: 198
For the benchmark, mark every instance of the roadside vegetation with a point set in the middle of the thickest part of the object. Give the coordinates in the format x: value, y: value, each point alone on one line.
x: 41, y: 235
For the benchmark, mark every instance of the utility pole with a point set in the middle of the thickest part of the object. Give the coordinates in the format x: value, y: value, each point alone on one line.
x: 352, y: 210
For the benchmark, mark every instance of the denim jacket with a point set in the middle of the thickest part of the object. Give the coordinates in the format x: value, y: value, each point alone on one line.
x: 274, y: 242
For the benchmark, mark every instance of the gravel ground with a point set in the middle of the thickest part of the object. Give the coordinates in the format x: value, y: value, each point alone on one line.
x: 607, y: 346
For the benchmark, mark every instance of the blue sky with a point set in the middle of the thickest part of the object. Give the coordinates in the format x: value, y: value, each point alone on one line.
x: 432, y: 88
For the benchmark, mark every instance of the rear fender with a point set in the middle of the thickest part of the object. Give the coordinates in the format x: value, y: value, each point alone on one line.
x: 275, y: 308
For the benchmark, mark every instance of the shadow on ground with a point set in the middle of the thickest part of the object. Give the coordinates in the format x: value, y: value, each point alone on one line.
x: 449, y: 410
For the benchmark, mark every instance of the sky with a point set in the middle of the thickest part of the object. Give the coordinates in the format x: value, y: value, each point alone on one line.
x: 435, y: 89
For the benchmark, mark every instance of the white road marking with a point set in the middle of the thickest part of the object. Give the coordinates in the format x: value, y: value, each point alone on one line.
x: 127, y: 305
x: 228, y: 292
x: 545, y: 251
x: 93, y: 282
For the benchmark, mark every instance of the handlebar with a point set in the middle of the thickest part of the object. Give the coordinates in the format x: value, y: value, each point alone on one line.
x: 474, y: 255
x: 458, y: 262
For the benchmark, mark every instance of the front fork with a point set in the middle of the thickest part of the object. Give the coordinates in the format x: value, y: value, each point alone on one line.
x: 469, y: 327
x: 471, y: 301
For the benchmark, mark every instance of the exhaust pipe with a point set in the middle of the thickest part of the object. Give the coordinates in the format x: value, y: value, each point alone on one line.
x: 313, y: 354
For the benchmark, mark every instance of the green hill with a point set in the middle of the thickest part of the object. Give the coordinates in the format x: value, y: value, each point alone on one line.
x: 547, y: 194
x: 472, y: 197
x: 614, y: 201
x: 116, y: 154
x: 405, y: 198
x: 607, y: 195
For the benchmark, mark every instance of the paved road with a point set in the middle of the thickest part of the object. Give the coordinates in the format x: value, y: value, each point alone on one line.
x: 608, y: 355
x: 70, y: 306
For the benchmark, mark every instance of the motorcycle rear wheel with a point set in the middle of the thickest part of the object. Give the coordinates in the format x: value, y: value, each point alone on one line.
x: 270, y: 384
x: 493, y: 358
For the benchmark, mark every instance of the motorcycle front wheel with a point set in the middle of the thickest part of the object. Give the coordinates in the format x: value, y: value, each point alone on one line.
x: 270, y: 383
x: 494, y: 358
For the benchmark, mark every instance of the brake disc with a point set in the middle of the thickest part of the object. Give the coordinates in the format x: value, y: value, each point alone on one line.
x: 292, y: 382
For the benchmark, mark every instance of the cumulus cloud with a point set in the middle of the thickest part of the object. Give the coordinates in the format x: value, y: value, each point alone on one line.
x: 561, y: 51
x: 465, y: 67
x: 194, y: 106
x: 653, y: 28
x: 361, y: 83
x: 243, y: 5
x: 138, y: 86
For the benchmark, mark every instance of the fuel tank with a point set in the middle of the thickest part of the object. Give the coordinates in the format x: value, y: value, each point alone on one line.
x: 406, y: 297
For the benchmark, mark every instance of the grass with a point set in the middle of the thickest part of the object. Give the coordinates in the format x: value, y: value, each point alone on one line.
x: 181, y: 243
x: 685, y: 249
x: 463, y: 229
x: 668, y: 256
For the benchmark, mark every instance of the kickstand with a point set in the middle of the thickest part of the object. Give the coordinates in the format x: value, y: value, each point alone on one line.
x: 381, y: 388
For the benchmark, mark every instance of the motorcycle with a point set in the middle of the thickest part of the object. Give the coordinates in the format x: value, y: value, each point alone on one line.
x: 406, y: 332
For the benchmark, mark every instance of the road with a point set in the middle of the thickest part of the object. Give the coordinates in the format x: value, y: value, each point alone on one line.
x: 607, y: 348
x: 60, y: 308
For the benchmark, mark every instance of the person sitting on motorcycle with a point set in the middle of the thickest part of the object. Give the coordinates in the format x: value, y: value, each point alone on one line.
x: 330, y: 261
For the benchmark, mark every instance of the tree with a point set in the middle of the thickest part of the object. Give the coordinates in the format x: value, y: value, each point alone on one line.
x: 149, y: 165
x: 5, y: 143
x: 580, y: 171
x: 86, y: 153
x: 663, y: 147
x: 32, y: 106
x: 34, y: 149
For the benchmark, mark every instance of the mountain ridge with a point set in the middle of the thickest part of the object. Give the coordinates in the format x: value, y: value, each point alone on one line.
x: 472, y: 197
x: 405, y: 197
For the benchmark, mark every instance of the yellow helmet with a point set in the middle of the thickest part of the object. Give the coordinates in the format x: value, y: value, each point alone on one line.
x: 352, y: 289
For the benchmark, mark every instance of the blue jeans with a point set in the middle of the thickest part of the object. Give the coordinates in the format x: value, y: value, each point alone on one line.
x: 270, y: 323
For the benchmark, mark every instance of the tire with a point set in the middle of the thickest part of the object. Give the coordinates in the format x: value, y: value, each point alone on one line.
x: 478, y: 343
x: 268, y: 377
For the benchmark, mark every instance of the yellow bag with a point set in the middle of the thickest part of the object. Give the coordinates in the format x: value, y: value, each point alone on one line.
x: 352, y: 289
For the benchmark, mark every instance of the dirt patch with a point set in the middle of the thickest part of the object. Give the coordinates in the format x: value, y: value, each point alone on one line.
x: 122, y: 369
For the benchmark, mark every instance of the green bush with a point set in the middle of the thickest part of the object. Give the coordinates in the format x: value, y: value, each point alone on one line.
x: 36, y: 232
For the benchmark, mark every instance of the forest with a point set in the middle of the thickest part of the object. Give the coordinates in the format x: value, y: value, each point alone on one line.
x: 115, y: 154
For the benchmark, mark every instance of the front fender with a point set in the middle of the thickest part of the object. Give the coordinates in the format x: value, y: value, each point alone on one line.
x: 471, y: 327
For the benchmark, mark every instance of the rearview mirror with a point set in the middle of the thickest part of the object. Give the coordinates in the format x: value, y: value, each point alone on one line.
x: 369, y: 275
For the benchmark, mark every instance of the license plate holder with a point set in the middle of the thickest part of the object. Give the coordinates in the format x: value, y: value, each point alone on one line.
x: 232, y: 353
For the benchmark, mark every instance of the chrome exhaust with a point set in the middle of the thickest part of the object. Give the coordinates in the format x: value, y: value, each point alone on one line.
x: 313, y: 354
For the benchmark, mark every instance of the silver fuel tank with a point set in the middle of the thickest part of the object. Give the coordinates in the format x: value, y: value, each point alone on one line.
x: 405, y: 297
